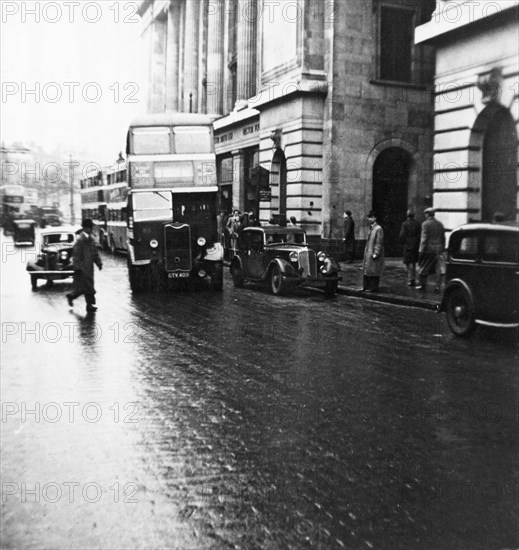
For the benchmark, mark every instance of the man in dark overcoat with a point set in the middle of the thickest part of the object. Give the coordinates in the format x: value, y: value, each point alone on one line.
x: 349, y: 237
x: 410, y: 239
x: 84, y: 257
x: 432, y: 245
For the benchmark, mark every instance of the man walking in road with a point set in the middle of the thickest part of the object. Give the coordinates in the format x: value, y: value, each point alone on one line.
x: 84, y: 257
x: 349, y: 237
x: 373, y: 255
x: 410, y: 239
x: 432, y: 245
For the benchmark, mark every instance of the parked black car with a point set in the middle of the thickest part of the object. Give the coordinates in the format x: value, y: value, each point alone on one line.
x: 24, y: 232
x: 280, y: 257
x: 54, y: 261
x: 482, y: 278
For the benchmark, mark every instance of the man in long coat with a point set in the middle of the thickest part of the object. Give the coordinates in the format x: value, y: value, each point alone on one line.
x: 349, y: 237
x: 373, y: 255
x: 84, y: 257
x: 432, y: 245
x: 410, y: 239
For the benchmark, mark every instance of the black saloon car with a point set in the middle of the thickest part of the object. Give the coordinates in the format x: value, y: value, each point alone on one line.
x: 24, y: 232
x: 280, y: 257
x: 482, y: 280
x: 54, y: 261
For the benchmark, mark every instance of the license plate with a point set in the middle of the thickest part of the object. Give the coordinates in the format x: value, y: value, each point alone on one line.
x: 183, y: 275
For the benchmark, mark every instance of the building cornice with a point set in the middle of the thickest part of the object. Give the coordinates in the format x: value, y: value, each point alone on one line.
x: 454, y: 15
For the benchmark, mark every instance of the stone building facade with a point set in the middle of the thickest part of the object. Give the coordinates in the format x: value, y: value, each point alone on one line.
x: 320, y: 105
x: 476, y: 109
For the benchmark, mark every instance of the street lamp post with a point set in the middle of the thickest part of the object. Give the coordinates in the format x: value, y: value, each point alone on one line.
x: 71, y: 180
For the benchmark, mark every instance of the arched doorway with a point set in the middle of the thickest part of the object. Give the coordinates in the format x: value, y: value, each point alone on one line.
x: 278, y: 185
x: 499, y: 167
x: 390, y: 189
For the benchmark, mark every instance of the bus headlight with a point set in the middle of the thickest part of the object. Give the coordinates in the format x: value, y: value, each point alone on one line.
x: 321, y: 256
x: 201, y: 241
x: 154, y: 243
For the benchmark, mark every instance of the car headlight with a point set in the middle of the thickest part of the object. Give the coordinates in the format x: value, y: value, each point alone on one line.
x: 293, y: 256
x: 154, y: 243
x: 201, y: 241
x: 321, y: 256
x: 323, y: 270
x: 64, y: 255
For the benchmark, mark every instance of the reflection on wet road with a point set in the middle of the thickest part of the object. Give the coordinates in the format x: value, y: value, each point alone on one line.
x: 243, y: 420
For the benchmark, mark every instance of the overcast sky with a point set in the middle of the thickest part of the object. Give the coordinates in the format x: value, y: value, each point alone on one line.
x: 72, y: 74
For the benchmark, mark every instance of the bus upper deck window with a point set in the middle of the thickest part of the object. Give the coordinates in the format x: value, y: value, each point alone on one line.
x: 151, y: 140
x: 192, y: 139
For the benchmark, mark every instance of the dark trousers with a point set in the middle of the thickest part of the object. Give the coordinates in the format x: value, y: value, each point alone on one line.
x: 370, y: 283
x: 83, y: 285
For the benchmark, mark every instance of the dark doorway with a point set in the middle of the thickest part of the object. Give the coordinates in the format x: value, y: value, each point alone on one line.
x: 390, y: 180
x: 499, y: 178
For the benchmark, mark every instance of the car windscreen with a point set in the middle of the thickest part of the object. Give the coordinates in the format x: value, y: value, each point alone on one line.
x: 279, y: 238
x: 58, y: 238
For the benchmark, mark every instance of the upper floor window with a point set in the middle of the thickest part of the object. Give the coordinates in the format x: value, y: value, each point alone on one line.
x: 396, y: 44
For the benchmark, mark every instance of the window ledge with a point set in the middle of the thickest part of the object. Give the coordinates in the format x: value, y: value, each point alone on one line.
x: 396, y: 84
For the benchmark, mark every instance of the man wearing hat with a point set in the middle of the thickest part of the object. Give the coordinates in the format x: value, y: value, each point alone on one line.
x: 432, y: 245
x: 349, y: 236
x: 373, y: 255
x: 410, y: 240
x: 84, y: 257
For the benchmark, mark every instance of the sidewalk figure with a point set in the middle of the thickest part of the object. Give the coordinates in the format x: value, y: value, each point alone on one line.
x: 410, y: 239
x: 432, y: 245
x: 293, y: 222
x: 349, y: 237
x: 373, y: 255
x: 84, y: 257
x: 234, y: 227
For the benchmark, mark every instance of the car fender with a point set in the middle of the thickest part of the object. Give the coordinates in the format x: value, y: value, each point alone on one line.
x: 236, y: 261
x: 455, y: 283
x: 284, y: 266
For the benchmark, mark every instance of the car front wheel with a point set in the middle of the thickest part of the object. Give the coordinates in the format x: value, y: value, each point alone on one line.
x: 460, y: 312
x: 277, y: 283
x: 237, y: 275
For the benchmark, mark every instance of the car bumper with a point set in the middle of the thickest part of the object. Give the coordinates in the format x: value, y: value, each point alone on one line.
x: 317, y: 282
x: 49, y: 274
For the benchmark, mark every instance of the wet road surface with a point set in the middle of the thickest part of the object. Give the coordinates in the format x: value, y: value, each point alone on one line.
x: 242, y: 420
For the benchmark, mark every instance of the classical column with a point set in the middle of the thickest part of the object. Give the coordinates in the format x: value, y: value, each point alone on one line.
x: 158, y: 70
x: 172, y: 57
x: 215, y: 57
x: 191, y: 34
x: 246, y: 49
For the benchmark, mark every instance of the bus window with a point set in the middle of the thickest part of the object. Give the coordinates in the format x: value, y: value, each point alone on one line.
x: 152, y: 140
x: 192, y: 139
x: 155, y: 205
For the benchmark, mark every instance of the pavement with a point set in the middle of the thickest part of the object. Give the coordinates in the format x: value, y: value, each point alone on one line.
x: 393, y: 286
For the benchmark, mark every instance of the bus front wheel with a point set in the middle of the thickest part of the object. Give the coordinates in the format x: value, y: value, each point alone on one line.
x: 139, y: 280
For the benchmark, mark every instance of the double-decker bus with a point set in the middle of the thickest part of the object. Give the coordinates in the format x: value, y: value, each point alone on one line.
x: 13, y: 205
x: 93, y: 203
x: 171, y: 212
x: 115, y: 194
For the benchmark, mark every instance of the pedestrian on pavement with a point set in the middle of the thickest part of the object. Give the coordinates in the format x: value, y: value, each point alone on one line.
x: 234, y: 226
x: 293, y: 222
x: 349, y: 237
x: 432, y: 245
x: 410, y: 239
x: 84, y: 256
x: 373, y: 255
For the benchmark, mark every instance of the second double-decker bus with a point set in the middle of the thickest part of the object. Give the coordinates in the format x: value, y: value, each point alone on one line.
x: 116, y: 193
x: 171, y: 207
x: 93, y: 203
